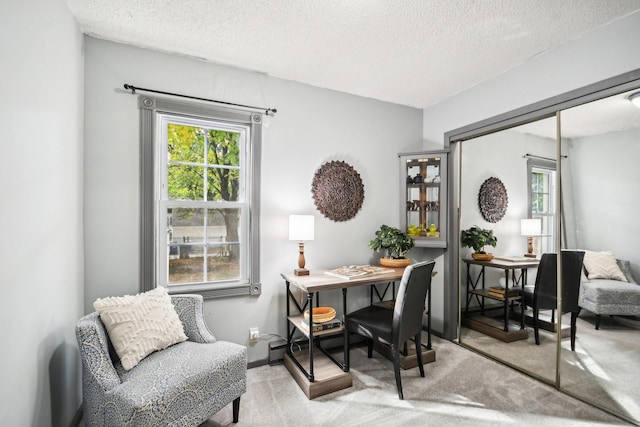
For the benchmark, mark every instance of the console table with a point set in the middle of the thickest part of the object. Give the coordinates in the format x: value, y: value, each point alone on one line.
x: 477, y: 288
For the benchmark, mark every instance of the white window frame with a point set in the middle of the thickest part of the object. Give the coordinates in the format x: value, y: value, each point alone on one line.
x: 547, y: 239
x: 156, y: 113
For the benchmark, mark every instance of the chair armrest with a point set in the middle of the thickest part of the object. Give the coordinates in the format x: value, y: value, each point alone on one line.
x: 189, y: 309
x: 98, y: 370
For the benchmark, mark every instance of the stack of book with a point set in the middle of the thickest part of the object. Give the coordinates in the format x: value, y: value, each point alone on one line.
x: 317, y: 327
x: 498, y: 292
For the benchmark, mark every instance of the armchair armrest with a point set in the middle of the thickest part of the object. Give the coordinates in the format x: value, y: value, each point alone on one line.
x: 98, y: 370
x: 189, y: 309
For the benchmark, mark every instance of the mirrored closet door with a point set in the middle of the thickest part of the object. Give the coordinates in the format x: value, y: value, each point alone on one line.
x: 573, y: 171
x: 508, y: 157
x: 600, y: 176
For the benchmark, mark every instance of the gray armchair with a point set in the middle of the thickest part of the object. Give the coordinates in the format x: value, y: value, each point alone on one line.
x: 182, y: 385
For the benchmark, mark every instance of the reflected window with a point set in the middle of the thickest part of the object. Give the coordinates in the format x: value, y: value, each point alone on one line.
x: 542, y: 196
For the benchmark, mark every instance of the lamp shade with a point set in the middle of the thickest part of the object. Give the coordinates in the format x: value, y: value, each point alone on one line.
x: 530, y: 226
x: 301, y: 227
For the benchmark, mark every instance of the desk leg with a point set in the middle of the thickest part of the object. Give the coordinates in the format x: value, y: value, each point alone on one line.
x: 286, y: 319
x: 345, y: 331
x: 311, y: 348
x: 523, y: 282
x: 428, y: 319
x: 506, y: 301
x: 468, y: 296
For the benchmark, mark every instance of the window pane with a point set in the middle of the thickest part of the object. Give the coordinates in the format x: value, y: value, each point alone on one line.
x: 223, y: 184
x: 223, y: 148
x: 224, y: 227
x: 187, y: 266
x: 220, y: 264
x: 186, y: 249
x: 185, y: 182
x: 185, y: 143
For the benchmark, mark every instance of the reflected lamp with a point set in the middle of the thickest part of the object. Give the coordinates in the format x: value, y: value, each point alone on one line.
x: 530, y: 227
x: 301, y: 230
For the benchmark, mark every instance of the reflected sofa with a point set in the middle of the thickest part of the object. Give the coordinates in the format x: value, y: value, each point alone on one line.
x: 611, y: 297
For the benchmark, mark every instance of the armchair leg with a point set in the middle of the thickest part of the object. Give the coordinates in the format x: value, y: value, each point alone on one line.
x: 236, y: 409
x: 597, y: 321
x: 396, y: 368
x: 369, y: 348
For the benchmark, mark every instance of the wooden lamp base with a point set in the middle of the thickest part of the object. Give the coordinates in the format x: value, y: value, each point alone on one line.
x: 301, y: 271
x: 530, y: 253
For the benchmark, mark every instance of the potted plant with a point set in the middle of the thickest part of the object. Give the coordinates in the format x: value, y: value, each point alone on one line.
x: 395, y: 243
x: 477, y: 238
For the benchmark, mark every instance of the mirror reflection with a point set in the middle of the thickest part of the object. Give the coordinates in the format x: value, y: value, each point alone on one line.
x: 600, y: 144
x: 525, y: 231
x: 601, y: 141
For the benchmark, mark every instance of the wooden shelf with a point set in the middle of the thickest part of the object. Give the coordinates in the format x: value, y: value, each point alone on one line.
x: 297, y: 321
x: 485, y: 293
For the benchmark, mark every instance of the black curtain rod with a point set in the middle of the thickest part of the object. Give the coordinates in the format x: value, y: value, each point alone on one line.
x: 540, y: 157
x: 267, y: 111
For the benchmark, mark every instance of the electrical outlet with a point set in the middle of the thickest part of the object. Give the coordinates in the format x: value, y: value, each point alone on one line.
x: 254, y: 334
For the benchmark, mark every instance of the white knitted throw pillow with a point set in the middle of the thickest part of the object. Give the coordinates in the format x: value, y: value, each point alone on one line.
x: 140, y: 324
x: 602, y: 265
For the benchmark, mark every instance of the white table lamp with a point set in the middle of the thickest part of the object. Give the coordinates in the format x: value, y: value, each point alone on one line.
x: 530, y: 227
x: 301, y: 229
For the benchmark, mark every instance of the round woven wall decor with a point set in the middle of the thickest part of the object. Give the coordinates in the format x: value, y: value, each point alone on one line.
x: 493, y: 199
x: 337, y: 191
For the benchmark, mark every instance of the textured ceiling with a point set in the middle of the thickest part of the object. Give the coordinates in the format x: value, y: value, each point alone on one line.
x: 410, y: 52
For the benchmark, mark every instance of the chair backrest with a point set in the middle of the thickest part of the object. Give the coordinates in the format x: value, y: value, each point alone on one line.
x: 546, y: 286
x: 571, y: 272
x: 409, y: 307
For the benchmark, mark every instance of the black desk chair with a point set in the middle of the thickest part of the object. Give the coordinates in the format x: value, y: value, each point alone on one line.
x: 395, y: 327
x: 542, y: 295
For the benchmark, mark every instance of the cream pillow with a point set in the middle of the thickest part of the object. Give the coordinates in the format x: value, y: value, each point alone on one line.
x: 140, y: 324
x: 602, y: 265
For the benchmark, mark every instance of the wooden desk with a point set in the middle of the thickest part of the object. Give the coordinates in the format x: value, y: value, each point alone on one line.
x: 318, y: 372
x: 503, y: 330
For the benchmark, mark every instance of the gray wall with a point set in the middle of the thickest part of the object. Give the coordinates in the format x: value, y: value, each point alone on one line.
x: 41, y: 217
x: 312, y: 126
x: 604, y: 184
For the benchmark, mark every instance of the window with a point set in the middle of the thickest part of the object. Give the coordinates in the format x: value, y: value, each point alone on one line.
x: 542, y: 201
x: 200, y: 198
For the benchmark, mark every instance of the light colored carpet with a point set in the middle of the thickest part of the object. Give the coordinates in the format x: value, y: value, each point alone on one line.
x: 605, y: 367
x: 460, y: 388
